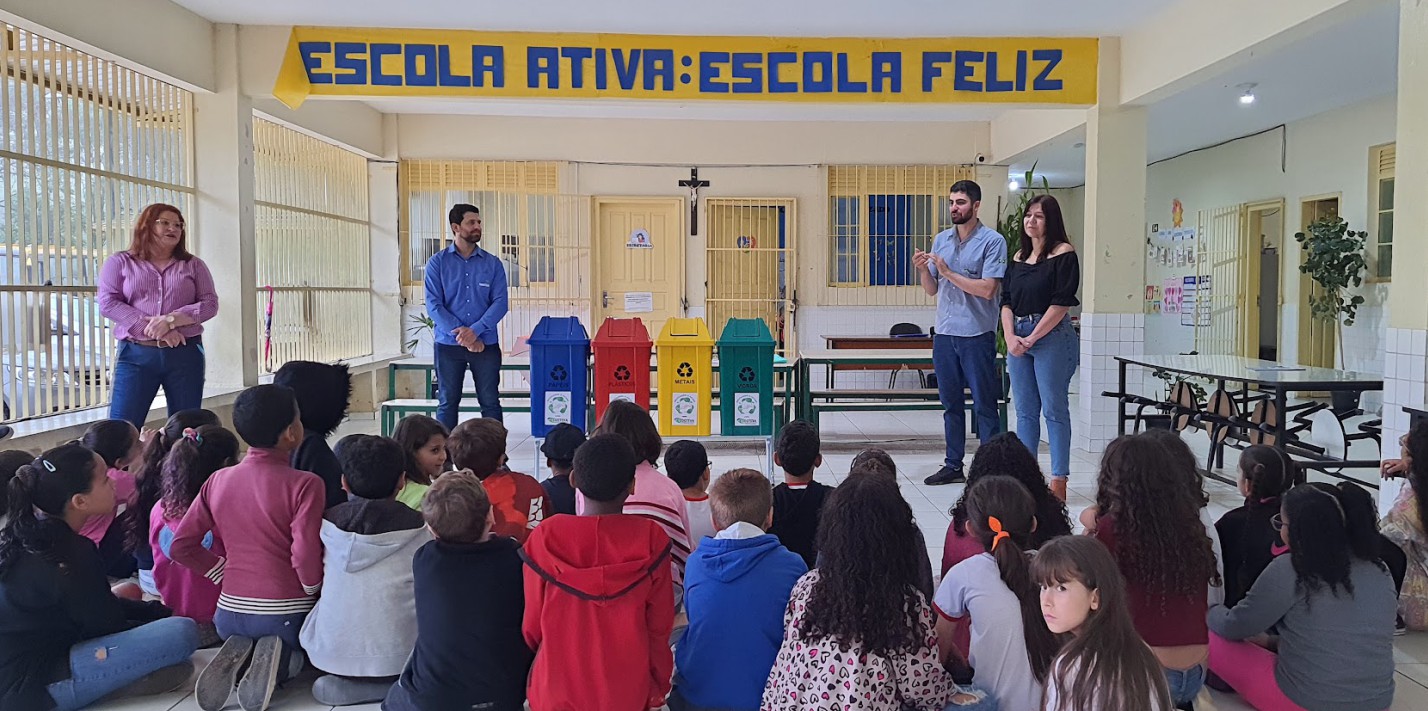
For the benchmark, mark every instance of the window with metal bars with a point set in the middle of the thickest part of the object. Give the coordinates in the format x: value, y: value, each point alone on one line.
x: 85, y: 145
x: 878, y: 216
x: 1382, y: 166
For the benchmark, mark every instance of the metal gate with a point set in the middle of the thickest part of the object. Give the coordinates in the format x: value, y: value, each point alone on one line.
x: 750, y: 264
x: 1222, y: 282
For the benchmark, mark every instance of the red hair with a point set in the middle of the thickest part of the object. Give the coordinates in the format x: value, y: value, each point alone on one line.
x: 143, y: 243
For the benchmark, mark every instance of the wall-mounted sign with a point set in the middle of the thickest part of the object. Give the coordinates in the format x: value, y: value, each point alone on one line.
x: 354, y: 62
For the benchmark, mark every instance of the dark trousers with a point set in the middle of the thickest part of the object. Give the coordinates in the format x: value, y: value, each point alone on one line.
x: 452, y: 362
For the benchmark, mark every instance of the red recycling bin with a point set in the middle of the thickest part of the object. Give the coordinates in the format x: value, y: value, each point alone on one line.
x: 622, y: 349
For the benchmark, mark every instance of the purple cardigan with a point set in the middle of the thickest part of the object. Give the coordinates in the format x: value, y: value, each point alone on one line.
x: 131, y: 291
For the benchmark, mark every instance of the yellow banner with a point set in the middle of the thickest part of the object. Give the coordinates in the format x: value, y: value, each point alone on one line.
x: 354, y: 62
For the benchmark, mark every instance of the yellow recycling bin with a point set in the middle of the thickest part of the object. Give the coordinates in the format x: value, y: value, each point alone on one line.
x: 685, y: 357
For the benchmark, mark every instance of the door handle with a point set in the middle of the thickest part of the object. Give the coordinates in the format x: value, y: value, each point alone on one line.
x: 604, y: 299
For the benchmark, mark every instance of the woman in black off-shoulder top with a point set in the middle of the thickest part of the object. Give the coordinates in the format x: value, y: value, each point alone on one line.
x: 1043, y: 349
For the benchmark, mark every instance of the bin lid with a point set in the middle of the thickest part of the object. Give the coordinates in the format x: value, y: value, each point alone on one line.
x: 623, y: 332
x: 746, y: 332
x: 685, y: 332
x: 559, y: 331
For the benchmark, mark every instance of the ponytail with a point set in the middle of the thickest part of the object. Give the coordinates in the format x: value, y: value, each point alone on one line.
x: 111, y: 440
x: 194, y: 458
x: 1329, y: 526
x: 1269, y: 471
x: 1002, y: 514
x: 46, y: 486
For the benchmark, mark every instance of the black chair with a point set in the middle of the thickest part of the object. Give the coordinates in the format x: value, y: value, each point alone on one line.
x: 906, y: 329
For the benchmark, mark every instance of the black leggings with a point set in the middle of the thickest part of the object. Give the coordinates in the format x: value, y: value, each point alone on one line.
x: 1395, y: 559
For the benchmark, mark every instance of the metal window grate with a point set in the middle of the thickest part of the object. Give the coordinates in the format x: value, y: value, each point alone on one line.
x: 85, y: 144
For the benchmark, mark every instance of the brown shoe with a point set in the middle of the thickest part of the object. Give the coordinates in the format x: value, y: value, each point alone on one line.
x: 1058, y: 488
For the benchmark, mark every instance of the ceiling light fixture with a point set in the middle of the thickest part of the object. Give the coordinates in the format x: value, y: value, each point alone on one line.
x: 1247, y: 96
x: 1014, y: 186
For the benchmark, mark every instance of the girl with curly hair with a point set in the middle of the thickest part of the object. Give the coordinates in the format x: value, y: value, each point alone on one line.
x: 1005, y: 455
x: 1406, y: 525
x: 1150, y: 520
x: 858, y: 635
x: 1331, y: 603
x: 194, y: 458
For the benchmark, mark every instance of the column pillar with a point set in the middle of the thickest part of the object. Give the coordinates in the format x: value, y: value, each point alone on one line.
x: 1113, y: 252
x: 224, y: 219
x: 1406, y: 361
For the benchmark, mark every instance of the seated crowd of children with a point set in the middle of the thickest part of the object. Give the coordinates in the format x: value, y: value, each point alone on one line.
x: 436, y: 578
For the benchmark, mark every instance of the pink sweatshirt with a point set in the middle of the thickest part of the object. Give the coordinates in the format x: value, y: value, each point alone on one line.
x: 269, y: 517
x: 658, y: 499
x: 125, y: 491
x: 187, y: 593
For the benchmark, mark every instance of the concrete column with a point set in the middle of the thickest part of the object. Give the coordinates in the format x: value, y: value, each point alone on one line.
x: 224, y: 220
x: 1112, y: 253
x: 1406, y: 360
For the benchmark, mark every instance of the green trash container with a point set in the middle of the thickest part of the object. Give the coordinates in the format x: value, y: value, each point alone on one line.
x: 746, y: 357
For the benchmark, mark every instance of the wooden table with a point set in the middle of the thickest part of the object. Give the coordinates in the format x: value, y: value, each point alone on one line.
x: 877, y: 343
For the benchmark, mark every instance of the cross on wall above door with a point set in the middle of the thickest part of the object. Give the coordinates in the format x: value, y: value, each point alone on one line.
x: 694, y: 184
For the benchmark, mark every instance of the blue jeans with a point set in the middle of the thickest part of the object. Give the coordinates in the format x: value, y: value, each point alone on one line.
x: 451, y: 365
x: 100, y: 666
x: 1185, y: 684
x: 962, y: 363
x: 139, y: 371
x: 1041, y: 384
x: 284, y: 627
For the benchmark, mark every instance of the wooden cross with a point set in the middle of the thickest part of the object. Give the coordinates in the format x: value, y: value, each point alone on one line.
x: 694, y: 184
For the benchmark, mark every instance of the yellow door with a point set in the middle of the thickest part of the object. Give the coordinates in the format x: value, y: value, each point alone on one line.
x: 640, y: 259
x: 1317, y: 336
x: 748, y: 263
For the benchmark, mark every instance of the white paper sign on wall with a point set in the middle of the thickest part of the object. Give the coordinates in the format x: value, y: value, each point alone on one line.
x: 686, y: 409
x: 639, y: 302
x: 557, y: 407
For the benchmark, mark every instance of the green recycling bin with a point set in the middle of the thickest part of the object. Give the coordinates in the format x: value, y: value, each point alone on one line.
x: 746, y: 357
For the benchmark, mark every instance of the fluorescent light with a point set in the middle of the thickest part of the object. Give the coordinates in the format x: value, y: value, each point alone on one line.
x: 1247, y: 96
x: 1013, y: 186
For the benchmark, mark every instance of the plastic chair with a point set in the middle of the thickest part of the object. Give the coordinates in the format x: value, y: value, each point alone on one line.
x: 906, y: 329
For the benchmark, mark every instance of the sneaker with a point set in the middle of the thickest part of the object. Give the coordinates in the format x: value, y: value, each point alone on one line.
x: 161, y: 681
x: 215, y: 683
x: 256, y: 688
x: 946, y: 475
x: 333, y: 690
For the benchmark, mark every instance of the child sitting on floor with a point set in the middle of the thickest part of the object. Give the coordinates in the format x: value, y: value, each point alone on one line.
x: 464, y: 660
x: 738, y: 584
x: 877, y: 462
x: 149, y: 478
x: 424, y: 440
x: 368, y: 545
x: 1404, y: 526
x: 559, y: 450
x: 1247, y: 535
x: 688, y: 465
x: 117, y: 443
x: 798, y: 501
x: 517, y: 500
x: 323, y: 391
x: 599, y: 599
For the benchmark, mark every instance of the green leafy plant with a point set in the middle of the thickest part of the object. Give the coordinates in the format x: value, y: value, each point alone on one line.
x: 1009, y: 223
x: 1334, y: 259
x: 419, y: 323
x: 1197, y: 385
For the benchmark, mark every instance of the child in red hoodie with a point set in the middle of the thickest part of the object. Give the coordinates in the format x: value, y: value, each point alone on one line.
x: 599, y: 598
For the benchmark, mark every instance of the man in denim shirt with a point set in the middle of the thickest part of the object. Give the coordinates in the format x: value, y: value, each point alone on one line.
x: 466, y: 298
x: 963, y: 270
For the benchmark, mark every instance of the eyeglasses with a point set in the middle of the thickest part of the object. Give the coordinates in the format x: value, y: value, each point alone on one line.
x: 1277, y: 522
x: 161, y: 222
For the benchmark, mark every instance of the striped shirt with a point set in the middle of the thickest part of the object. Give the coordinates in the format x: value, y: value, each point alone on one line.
x: 131, y: 291
x: 658, y: 499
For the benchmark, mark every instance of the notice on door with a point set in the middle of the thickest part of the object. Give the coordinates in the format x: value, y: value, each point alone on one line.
x: 746, y: 409
x: 640, y: 239
x: 686, y: 409
x: 639, y: 302
x: 557, y: 407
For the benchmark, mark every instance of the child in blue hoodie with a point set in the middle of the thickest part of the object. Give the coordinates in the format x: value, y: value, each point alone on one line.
x: 737, y: 585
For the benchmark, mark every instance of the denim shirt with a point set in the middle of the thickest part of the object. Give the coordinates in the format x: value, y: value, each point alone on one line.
x: 465, y: 291
x: 982, y: 256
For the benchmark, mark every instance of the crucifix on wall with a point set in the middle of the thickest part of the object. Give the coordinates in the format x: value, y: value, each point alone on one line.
x: 694, y: 184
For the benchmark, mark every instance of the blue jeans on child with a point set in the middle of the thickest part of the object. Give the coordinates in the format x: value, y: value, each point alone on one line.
x: 284, y: 627
x: 962, y: 364
x: 139, y: 371
x: 452, y: 362
x: 1041, y: 384
x: 100, y: 666
x: 1185, y: 684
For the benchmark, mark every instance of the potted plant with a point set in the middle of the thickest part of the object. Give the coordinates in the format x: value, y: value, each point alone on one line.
x: 419, y: 324
x: 1334, y: 260
x: 1010, y: 225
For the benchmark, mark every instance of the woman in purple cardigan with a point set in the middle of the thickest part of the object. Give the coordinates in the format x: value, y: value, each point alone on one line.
x: 158, y: 295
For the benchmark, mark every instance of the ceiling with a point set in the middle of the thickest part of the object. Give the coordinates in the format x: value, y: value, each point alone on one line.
x: 796, y: 18
x: 1341, y: 65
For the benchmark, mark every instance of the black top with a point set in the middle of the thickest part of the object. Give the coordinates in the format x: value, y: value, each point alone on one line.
x: 51, y: 602
x: 373, y: 517
x: 1031, y: 289
x: 470, y: 651
x: 561, y: 493
x: 1247, y: 540
x: 795, y: 518
x: 313, y: 455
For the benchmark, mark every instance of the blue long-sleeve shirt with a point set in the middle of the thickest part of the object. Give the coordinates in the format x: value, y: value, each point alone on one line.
x: 465, y: 291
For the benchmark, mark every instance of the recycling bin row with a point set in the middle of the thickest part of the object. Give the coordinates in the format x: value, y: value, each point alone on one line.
x: 560, y: 349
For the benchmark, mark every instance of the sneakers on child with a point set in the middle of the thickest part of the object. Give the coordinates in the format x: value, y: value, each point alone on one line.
x: 256, y: 688
x: 215, y: 683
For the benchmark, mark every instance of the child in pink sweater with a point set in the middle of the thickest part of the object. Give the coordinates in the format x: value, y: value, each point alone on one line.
x: 117, y: 443
x: 193, y: 459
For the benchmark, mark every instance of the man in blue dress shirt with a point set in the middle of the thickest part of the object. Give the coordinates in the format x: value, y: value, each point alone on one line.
x: 964, y: 269
x: 466, y: 298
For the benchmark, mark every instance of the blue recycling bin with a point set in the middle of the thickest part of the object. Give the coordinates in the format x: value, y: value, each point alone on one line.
x: 560, y: 349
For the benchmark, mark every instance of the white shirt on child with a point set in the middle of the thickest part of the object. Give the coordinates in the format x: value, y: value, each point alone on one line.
x: 701, y: 520
x: 974, y: 588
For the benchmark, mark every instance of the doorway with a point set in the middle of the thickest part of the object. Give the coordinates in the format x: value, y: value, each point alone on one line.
x: 1317, y: 340
x: 749, y: 264
x: 1264, y: 247
x: 640, y: 260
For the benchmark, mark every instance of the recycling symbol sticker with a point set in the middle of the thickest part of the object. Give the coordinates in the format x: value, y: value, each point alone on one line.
x: 622, y: 373
x: 558, y: 374
x: 685, y: 370
x: 747, y: 375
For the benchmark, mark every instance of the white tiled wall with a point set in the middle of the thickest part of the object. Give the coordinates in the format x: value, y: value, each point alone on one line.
x: 1103, y: 337
x: 1405, y: 371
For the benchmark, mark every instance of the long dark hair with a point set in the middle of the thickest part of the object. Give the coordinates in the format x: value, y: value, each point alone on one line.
x: 1000, y: 505
x: 1268, y: 470
x: 47, y: 484
x: 149, y: 478
x: 1329, y: 526
x: 110, y: 439
x: 1187, y: 468
x: 630, y: 421
x: 412, y: 433
x: 1417, y: 445
x: 1107, y: 666
x: 193, y: 459
x: 1160, y: 541
x: 867, y: 586
x: 1055, y: 228
x: 1005, y: 455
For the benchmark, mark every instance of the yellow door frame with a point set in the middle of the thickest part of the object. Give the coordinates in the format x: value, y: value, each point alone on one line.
x: 1249, y: 315
x: 1317, y: 346
x: 597, y: 304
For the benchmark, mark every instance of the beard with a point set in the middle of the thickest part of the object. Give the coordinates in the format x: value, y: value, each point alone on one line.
x: 962, y: 219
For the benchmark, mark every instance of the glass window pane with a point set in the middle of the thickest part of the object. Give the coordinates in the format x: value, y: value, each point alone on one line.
x: 1385, y: 227
x: 1385, y: 194
x: 1385, y: 261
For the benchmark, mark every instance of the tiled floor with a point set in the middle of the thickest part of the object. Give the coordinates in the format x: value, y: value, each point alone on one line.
x: 914, y: 440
